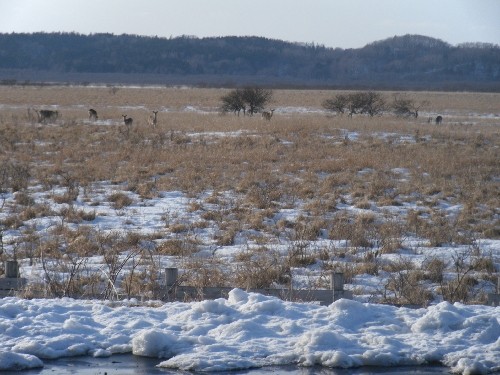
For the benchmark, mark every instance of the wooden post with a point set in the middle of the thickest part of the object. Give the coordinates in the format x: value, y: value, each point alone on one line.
x: 11, y: 269
x: 337, y: 281
x: 170, y: 276
x: 337, y: 285
x: 494, y: 298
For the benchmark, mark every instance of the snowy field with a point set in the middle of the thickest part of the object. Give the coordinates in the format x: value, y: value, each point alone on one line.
x: 401, y: 233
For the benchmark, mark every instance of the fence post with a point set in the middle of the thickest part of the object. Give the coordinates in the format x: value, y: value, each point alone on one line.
x: 337, y: 281
x: 170, y: 276
x: 494, y: 298
x: 11, y: 269
x: 337, y: 285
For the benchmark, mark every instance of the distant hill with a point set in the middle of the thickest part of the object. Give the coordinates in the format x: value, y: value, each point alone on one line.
x: 409, y: 61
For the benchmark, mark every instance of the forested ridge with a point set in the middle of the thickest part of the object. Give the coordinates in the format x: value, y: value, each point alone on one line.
x: 401, y: 61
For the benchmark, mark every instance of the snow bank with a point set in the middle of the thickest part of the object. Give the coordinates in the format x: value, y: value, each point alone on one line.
x: 154, y: 343
x: 250, y: 330
x: 16, y: 361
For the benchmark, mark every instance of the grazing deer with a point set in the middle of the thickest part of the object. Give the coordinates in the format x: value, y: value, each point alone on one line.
x: 93, y: 115
x: 46, y: 114
x: 152, y: 120
x: 267, y: 114
x: 32, y: 117
x: 439, y: 120
x: 127, y: 121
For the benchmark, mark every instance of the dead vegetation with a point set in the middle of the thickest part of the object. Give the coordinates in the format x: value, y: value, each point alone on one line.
x: 399, y: 174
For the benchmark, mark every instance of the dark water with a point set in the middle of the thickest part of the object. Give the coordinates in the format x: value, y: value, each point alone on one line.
x: 134, y: 365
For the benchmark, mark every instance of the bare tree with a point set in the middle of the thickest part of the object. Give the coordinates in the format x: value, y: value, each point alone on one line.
x: 256, y: 98
x: 371, y: 103
x: 405, y: 107
x: 338, y: 104
x: 355, y: 103
x: 251, y: 100
x: 233, y: 102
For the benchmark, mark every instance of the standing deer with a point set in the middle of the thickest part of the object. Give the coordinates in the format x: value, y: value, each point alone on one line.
x: 267, y: 114
x: 32, y: 117
x: 439, y: 120
x: 46, y: 114
x: 93, y: 115
x: 127, y: 121
x: 152, y: 120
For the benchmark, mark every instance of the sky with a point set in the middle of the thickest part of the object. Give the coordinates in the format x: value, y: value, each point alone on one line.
x: 333, y: 23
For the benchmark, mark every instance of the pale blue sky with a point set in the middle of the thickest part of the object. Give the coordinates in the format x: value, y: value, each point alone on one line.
x: 334, y: 23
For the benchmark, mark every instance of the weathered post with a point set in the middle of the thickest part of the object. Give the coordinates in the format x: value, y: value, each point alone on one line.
x: 337, y: 285
x: 337, y: 281
x: 11, y: 269
x: 11, y: 282
x: 494, y: 298
x: 170, y: 276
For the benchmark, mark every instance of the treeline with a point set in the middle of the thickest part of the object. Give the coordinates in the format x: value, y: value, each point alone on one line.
x: 411, y: 61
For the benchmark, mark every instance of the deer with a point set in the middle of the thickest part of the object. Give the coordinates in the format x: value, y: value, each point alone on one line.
x: 32, y: 117
x: 439, y: 120
x: 46, y: 114
x: 127, y: 121
x: 93, y: 115
x: 152, y: 120
x: 267, y: 114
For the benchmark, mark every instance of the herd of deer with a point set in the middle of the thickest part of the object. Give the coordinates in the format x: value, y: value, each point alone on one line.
x: 47, y: 115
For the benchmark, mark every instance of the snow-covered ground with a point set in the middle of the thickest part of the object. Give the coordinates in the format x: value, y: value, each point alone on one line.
x: 148, y: 216
x: 250, y: 330
x: 246, y: 330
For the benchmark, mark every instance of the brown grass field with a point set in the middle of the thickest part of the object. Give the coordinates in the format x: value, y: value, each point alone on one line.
x: 302, y: 155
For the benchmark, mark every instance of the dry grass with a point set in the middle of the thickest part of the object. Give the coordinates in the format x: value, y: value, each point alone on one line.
x: 297, y: 157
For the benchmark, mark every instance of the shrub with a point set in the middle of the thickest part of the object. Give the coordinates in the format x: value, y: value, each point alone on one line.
x: 178, y: 228
x: 205, y: 273
x: 434, y: 269
x: 226, y: 237
x: 485, y: 264
x: 68, y: 197
x: 405, y: 107
x: 24, y: 199
x: 177, y: 247
x: 405, y: 285
x: 251, y: 99
x: 12, y: 221
x: 13, y: 175
x: 369, y: 102
x: 262, y: 268
x: 120, y: 200
x: 369, y: 268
